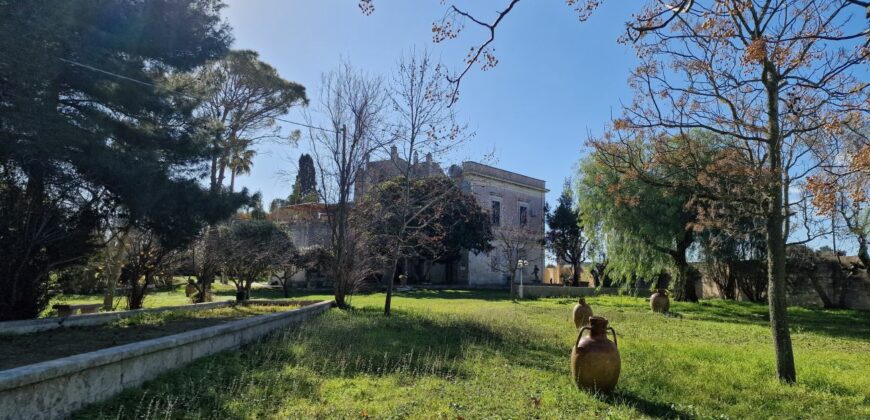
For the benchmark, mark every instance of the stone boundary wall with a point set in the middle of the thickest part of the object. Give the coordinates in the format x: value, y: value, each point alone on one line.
x: 28, y: 326
x: 570, y: 291
x: 56, y: 388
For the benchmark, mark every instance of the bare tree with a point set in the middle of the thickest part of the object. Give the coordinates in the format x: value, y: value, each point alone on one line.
x: 424, y: 122
x: 251, y: 250
x: 842, y: 191
x: 353, y: 106
x: 513, y: 243
x: 207, y: 261
x: 298, y: 260
x: 113, y: 255
x: 145, y: 259
x: 775, y: 77
x: 775, y: 80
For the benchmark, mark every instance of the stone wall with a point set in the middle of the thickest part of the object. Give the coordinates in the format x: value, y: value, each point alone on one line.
x: 569, y: 291
x: 844, y: 279
x: 56, y: 388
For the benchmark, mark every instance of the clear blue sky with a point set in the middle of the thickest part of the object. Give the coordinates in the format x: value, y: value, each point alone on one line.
x: 557, y: 81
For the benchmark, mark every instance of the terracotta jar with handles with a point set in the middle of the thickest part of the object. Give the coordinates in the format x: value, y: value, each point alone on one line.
x: 659, y: 301
x: 581, y: 312
x: 595, y: 362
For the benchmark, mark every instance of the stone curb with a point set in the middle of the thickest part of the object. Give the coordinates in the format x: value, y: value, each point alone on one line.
x: 28, y: 326
x: 56, y: 388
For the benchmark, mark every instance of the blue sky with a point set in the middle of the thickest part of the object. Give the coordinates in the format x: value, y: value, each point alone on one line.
x: 558, y: 80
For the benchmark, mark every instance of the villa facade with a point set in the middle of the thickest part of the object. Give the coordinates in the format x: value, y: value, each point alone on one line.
x: 515, y: 204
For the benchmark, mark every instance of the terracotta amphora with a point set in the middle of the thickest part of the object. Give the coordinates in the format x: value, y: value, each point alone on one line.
x: 595, y: 362
x: 659, y: 301
x: 190, y: 290
x: 581, y: 312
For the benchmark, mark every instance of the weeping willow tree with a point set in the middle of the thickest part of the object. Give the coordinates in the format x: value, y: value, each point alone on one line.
x: 641, y: 209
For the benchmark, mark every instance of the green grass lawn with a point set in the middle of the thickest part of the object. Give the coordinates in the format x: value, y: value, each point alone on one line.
x: 479, y: 355
x: 25, y: 349
x: 173, y: 297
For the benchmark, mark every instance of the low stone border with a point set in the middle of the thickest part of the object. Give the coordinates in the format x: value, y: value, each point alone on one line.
x: 280, y: 302
x: 28, y: 326
x: 56, y: 388
x: 563, y: 291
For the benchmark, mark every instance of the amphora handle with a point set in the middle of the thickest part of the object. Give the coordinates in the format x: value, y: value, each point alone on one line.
x: 580, y: 334
x: 614, y: 336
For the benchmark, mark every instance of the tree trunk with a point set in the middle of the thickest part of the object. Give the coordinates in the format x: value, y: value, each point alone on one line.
x: 114, y: 258
x: 776, y: 293
x: 136, y: 294
x: 221, y: 174
x: 686, y: 291
x: 777, y: 300
x: 213, y: 171
x: 390, y: 276
x: 863, y: 255
x: 232, y: 180
x: 203, y: 287
x: 285, y: 285
x: 340, y: 241
x: 575, y: 275
x: 823, y: 295
x: 112, y: 275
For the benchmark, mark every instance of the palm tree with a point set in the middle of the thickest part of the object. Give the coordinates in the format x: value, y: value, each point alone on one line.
x: 241, y: 160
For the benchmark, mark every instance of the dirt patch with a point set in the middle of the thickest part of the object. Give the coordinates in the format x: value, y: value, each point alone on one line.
x: 21, y: 350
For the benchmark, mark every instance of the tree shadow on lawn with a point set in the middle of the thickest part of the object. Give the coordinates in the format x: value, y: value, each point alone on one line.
x: 838, y: 323
x: 346, y: 345
x: 366, y: 342
x: 650, y: 408
x: 456, y: 294
x: 359, y: 342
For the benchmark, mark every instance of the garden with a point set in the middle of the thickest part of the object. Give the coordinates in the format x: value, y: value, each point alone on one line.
x: 718, y: 206
x: 25, y: 349
x: 464, y: 354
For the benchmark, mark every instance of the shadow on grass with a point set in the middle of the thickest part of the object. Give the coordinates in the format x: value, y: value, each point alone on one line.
x: 650, y: 408
x: 338, y: 344
x: 839, y: 323
x: 365, y: 342
x: 491, y: 295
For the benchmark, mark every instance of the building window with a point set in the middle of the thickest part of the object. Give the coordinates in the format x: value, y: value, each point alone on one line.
x: 524, y: 215
x: 496, y: 213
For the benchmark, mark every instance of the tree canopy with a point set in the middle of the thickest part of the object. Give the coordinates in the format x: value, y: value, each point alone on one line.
x: 251, y: 249
x: 242, y: 96
x: 89, y: 129
x: 564, y: 236
x: 444, y: 220
x: 305, y: 187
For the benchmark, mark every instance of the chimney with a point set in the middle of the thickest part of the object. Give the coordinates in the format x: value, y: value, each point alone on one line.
x: 416, y: 158
x: 394, y: 153
x: 429, y: 158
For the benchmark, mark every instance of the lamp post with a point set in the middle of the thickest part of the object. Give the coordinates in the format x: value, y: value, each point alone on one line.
x: 520, y: 265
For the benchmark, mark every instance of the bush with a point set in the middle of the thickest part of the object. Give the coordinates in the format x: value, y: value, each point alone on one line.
x: 79, y: 280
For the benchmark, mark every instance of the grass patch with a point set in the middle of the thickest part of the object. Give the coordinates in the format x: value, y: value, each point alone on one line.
x: 166, y: 297
x: 25, y: 349
x: 454, y: 354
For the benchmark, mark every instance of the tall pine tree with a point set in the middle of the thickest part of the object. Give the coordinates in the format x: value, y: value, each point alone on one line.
x: 89, y: 132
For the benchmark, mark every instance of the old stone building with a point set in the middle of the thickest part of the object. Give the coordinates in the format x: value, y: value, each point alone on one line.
x: 515, y: 203
x: 308, y: 227
x: 379, y: 171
